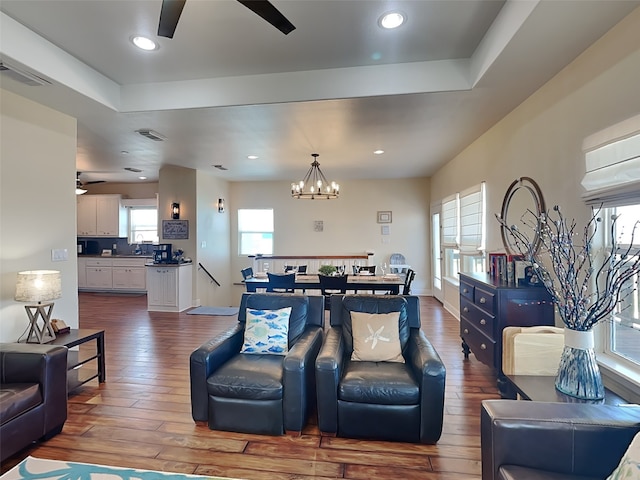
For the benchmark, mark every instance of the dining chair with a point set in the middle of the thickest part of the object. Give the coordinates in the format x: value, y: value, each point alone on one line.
x: 289, y: 268
x: 408, y: 279
x: 281, y: 283
x: 331, y: 285
x: 302, y: 269
x: 369, y: 268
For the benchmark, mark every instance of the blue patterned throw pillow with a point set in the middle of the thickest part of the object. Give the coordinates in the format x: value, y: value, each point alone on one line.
x: 267, y: 331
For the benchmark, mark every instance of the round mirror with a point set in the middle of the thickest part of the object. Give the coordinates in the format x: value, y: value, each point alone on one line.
x: 523, y: 206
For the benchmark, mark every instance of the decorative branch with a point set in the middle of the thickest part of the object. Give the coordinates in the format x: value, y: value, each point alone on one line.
x: 583, y: 295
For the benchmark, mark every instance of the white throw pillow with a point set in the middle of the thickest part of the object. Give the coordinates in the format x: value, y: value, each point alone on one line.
x: 629, y: 466
x: 267, y: 331
x: 376, y: 337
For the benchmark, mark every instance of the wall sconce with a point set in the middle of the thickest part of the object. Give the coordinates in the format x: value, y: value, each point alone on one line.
x: 175, y: 211
x: 221, y: 205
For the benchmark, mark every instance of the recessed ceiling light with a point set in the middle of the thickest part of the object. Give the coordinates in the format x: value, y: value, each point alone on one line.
x: 253, y: 157
x: 142, y: 178
x: 144, y: 43
x: 391, y: 20
x: 378, y: 152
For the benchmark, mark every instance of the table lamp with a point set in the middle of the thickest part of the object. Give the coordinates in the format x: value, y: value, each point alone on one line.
x: 39, y: 286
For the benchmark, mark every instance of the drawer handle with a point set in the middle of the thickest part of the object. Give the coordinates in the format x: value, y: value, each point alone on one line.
x: 466, y: 330
x: 483, y: 322
x: 483, y: 300
x: 465, y: 309
x: 483, y: 347
x: 464, y: 290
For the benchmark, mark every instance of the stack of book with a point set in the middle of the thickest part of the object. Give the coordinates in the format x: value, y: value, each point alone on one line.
x: 507, y: 268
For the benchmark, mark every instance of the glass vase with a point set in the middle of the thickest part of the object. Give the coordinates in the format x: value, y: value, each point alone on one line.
x: 578, y: 373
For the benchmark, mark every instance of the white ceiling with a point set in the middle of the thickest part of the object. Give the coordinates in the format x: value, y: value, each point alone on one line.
x: 229, y: 84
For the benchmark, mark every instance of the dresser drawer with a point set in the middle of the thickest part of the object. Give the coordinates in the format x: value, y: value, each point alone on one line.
x: 478, y: 318
x: 483, y: 347
x: 466, y: 290
x: 485, y: 299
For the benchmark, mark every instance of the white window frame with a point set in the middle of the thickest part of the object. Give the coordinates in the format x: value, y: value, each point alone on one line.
x: 262, y: 225
x: 612, y: 165
x: 131, y: 234
x: 464, y: 231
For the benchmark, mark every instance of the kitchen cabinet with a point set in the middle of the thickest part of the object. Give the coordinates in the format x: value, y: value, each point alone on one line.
x: 99, y: 273
x: 112, y: 273
x: 129, y: 274
x: 487, y: 306
x: 101, y: 216
x: 82, y: 272
x: 169, y: 287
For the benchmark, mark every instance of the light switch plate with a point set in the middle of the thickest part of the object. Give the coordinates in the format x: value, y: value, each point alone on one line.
x: 59, y: 255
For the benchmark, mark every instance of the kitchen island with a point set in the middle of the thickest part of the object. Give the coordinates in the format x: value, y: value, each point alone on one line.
x: 169, y: 287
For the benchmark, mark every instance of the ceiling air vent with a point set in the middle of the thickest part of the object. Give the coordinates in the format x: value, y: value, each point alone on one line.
x: 22, y: 76
x: 151, y: 135
x: 221, y: 167
x: 134, y: 170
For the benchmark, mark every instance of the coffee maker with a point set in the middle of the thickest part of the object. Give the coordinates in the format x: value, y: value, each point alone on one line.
x: 162, y: 254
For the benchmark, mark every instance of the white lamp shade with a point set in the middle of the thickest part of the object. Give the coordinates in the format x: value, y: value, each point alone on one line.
x: 38, y: 286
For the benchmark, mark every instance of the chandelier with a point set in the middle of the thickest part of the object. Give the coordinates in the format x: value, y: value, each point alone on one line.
x: 314, y: 184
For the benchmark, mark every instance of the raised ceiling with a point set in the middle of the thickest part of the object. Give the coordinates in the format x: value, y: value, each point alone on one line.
x: 229, y: 85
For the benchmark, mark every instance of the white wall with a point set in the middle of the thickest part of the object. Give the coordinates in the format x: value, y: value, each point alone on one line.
x: 350, y: 222
x: 542, y: 138
x: 37, y: 205
x: 212, y: 241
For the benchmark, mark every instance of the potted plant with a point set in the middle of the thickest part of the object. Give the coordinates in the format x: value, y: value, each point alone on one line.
x: 327, y: 270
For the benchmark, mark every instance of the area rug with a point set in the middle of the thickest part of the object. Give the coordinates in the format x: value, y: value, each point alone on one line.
x: 224, y: 311
x: 38, y: 468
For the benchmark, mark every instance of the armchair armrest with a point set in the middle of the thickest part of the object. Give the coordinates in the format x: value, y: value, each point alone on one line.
x: 429, y: 369
x: 299, y: 378
x: 328, y: 373
x: 45, y: 365
x: 205, y: 360
x: 569, y: 438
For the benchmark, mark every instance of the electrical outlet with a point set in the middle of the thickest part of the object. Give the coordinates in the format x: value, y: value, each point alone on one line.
x: 59, y: 255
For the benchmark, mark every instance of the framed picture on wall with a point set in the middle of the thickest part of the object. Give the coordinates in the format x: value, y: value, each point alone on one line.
x: 384, y: 216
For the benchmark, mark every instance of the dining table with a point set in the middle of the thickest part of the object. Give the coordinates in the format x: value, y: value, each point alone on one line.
x: 358, y: 283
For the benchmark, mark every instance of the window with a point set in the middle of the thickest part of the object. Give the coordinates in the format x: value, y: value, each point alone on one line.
x: 612, y: 180
x: 255, y: 231
x: 143, y: 224
x: 623, y: 333
x: 464, y: 231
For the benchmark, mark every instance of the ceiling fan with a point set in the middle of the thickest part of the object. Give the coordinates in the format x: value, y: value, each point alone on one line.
x: 172, y: 9
x: 80, y: 186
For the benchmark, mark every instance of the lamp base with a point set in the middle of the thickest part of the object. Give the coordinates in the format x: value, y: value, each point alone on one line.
x: 37, y: 333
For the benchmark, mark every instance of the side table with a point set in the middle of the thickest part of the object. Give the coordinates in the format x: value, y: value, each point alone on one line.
x: 542, y: 389
x: 76, y: 359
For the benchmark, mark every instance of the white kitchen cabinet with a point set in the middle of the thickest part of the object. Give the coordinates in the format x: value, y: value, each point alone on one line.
x: 99, y: 273
x: 129, y: 274
x: 82, y: 272
x: 101, y: 216
x: 169, y: 287
x: 86, y: 215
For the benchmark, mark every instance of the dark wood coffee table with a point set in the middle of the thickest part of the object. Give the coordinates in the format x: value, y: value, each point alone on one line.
x: 83, y: 357
x: 542, y: 389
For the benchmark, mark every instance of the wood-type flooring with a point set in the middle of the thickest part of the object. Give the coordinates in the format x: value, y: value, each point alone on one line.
x: 141, y: 417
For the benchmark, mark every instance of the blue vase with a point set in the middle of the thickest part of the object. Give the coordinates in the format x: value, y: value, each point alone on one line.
x: 578, y: 373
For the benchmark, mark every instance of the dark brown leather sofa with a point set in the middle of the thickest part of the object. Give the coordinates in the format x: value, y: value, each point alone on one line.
x: 33, y: 394
x: 554, y: 441
x: 380, y: 400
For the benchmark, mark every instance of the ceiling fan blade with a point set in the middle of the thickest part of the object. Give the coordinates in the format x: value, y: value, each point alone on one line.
x: 169, y: 16
x: 94, y: 182
x: 271, y: 14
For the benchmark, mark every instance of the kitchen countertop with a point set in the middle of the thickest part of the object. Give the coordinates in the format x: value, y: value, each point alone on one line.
x: 115, y: 256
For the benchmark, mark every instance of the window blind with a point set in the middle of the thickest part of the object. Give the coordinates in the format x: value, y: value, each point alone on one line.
x: 472, y: 219
x: 612, y: 161
x: 450, y: 221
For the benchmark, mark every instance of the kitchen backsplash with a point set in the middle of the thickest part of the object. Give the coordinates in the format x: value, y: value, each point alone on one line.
x: 95, y: 245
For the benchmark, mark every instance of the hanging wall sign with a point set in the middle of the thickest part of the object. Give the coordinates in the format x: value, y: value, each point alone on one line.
x: 175, y: 229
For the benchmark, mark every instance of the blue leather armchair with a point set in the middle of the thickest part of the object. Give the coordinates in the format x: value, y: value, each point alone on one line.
x: 256, y: 393
x: 380, y: 400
